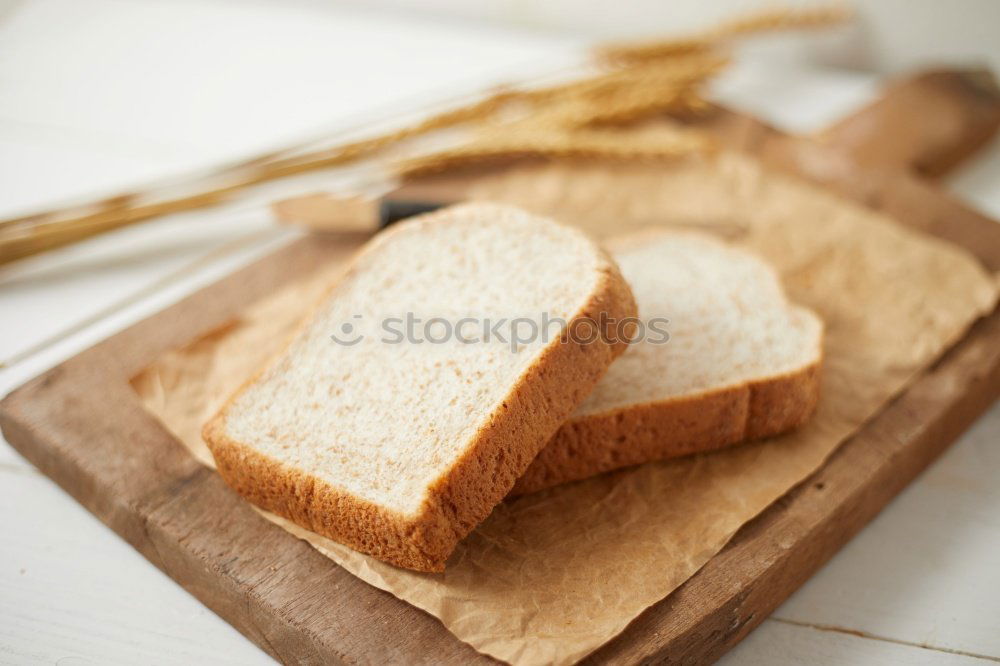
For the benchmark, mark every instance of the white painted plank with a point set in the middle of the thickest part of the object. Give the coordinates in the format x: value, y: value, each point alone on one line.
x: 68, y: 286
x: 170, y: 291
x: 791, y: 96
x: 11, y: 460
x: 925, y: 571
x: 71, y: 590
x: 776, y: 642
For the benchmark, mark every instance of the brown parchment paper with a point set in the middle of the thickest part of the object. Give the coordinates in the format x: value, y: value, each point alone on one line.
x: 550, y: 577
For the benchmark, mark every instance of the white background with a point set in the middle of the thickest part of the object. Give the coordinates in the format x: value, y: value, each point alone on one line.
x: 891, y: 35
x: 99, y: 95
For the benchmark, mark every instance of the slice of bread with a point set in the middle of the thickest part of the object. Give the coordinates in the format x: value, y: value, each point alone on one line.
x: 399, y: 446
x: 741, y: 362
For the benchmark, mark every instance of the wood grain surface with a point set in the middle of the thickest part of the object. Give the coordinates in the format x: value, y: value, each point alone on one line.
x: 82, y: 425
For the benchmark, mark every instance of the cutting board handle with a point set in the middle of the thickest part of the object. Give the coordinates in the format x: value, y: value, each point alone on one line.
x: 927, y: 123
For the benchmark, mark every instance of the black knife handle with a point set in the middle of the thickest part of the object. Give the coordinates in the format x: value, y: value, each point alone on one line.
x: 394, y: 210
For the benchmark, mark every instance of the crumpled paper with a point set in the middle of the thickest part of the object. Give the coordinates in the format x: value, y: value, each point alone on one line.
x: 548, y: 578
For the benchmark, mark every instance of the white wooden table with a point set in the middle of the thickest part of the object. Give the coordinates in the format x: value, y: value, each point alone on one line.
x: 100, y: 95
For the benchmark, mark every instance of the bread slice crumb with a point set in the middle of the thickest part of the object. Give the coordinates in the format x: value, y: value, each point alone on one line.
x: 741, y: 363
x: 400, y: 449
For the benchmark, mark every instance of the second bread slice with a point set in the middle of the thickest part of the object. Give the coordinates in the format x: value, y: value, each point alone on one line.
x: 741, y: 362
x: 399, y: 440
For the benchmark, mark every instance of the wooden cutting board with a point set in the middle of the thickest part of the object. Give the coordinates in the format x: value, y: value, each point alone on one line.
x: 82, y: 424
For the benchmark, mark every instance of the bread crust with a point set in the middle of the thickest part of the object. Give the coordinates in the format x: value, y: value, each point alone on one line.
x: 716, y: 418
x: 676, y: 427
x: 544, y: 397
